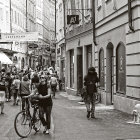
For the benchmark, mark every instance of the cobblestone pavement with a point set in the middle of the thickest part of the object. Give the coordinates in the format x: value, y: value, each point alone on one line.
x: 70, y: 122
x: 109, y: 125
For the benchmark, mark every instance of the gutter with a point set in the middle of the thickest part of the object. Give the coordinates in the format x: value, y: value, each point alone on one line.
x: 130, y: 20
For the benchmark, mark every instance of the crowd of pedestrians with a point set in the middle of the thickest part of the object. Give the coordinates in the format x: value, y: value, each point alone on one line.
x: 19, y: 86
x: 24, y: 84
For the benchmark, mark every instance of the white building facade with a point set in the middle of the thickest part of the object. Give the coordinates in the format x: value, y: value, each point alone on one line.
x: 115, y: 53
x: 60, y: 39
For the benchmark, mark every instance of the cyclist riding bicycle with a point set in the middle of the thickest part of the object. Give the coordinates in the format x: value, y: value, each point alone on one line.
x: 45, y: 103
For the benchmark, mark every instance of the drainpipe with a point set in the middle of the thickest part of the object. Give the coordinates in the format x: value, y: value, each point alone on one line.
x: 93, y: 22
x: 55, y: 30
x: 10, y: 17
x: 130, y: 15
x: 64, y: 14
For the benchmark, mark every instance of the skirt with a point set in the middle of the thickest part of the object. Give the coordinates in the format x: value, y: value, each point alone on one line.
x: 2, y: 96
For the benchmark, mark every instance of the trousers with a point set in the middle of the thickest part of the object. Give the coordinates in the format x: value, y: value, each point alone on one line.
x: 90, y: 103
x: 47, y: 111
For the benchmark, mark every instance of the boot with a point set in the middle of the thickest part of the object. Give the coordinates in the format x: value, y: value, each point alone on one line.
x: 88, y: 114
x: 93, y: 116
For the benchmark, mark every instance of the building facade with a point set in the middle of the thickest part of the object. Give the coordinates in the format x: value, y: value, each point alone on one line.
x: 79, y: 44
x: 114, y: 53
x: 52, y: 32
x: 60, y: 39
x: 45, y: 27
x: 13, y: 21
x: 18, y: 16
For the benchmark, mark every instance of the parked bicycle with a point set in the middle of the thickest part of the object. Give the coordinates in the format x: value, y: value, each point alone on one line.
x: 25, y: 122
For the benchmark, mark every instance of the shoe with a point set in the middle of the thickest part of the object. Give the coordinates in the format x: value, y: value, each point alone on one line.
x: 46, y: 132
x: 36, y: 129
x: 14, y: 103
x: 88, y: 114
x: 93, y: 117
x: 2, y: 113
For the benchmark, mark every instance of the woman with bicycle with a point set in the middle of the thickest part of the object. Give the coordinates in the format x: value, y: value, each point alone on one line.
x: 45, y: 102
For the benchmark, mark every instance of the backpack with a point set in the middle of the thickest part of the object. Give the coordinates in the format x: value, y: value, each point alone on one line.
x: 90, y: 83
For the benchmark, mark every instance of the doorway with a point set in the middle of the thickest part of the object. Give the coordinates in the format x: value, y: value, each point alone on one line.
x: 79, y: 69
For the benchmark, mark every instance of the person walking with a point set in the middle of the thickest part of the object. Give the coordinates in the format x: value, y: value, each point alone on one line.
x: 53, y: 83
x: 15, y: 89
x: 90, y: 81
x: 24, y: 90
x: 3, y: 91
x: 9, y: 83
x: 35, y: 80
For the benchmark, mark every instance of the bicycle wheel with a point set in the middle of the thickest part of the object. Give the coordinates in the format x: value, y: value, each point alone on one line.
x: 36, y: 121
x: 22, y: 124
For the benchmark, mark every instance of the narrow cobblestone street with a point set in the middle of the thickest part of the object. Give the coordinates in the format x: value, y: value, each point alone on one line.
x: 70, y: 122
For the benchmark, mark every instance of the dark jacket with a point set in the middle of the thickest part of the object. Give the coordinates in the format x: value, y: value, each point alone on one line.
x: 90, y: 81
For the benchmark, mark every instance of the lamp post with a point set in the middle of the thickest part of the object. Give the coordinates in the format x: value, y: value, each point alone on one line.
x: 26, y: 30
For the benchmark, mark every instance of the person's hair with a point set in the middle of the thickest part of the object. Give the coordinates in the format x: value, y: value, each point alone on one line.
x: 35, y: 74
x: 3, y: 70
x: 8, y: 73
x: 16, y: 77
x: 3, y: 78
x: 25, y: 78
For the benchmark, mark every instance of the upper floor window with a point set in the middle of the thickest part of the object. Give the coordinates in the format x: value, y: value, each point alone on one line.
x: 99, y: 4
x: 69, y: 7
x: 1, y: 15
x: 107, y: 0
x: 60, y: 7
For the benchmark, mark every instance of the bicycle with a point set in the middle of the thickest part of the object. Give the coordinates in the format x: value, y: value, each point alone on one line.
x: 24, y: 122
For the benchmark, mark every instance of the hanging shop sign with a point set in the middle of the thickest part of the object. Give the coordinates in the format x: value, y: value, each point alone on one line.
x: 33, y: 46
x: 72, y: 19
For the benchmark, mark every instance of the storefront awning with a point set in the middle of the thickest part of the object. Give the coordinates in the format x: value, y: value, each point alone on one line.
x: 4, y: 59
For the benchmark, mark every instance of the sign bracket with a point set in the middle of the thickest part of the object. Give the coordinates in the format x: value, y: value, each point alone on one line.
x: 79, y: 10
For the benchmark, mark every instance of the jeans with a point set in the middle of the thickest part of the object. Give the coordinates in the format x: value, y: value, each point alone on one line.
x: 25, y: 103
x: 53, y: 88
x: 15, y: 95
x: 90, y: 103
x: 47, y: 111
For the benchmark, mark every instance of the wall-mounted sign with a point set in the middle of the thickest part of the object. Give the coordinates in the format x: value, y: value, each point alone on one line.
x: 72, y: 19
x: 10, y: 37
